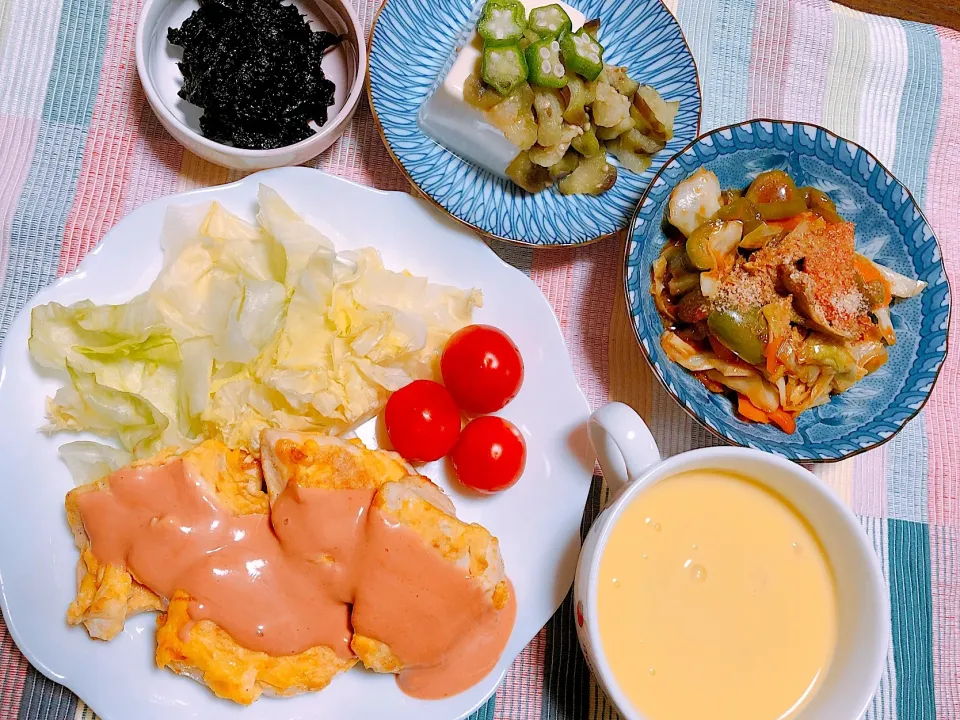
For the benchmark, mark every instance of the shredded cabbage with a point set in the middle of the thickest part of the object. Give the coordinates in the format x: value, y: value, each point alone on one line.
x: 247, y: 326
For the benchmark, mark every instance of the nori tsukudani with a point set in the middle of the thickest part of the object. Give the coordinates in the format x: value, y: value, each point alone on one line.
x: 254, y: 68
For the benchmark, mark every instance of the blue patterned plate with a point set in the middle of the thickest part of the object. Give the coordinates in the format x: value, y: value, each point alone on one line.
x: 412, y: 45
x: 889, y: 228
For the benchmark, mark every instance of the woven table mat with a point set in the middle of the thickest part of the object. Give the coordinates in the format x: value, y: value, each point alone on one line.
x: 80, y: 148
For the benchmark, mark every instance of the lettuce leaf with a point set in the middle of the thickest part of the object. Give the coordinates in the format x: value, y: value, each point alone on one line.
x: 87, y: 335
x: 300, y: 240
x: 247, y: 326
x: 89, y: 461
x: 86, y: 404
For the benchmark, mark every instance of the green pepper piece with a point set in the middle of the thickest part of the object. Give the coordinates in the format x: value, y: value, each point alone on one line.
x: 782, y: 210
x: 501, y: 23
x: 549, y: 21
x: 582, y: 54
x: 727, y: 197
x: 679, y: 264
x: 743, y: 210
x: 682, y: 284
x: 772, y: 186
x: 503, y: 68
x: 817, y: 350
x: 698, y: 245
x: 820, y: 203
x: 568, y: 163
x: 744, y: 332
x: 776, y: 196
x: 544, y: 65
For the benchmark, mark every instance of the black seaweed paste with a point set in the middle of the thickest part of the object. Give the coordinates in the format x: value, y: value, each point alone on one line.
x: 254, y: 68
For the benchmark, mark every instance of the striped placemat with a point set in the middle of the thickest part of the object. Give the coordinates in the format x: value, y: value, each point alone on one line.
x: 79, y: 148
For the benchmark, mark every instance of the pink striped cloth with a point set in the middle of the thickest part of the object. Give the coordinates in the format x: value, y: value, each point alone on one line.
x: 80, y: 148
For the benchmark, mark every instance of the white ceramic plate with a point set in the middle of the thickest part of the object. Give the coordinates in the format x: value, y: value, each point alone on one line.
x: 537, y: 521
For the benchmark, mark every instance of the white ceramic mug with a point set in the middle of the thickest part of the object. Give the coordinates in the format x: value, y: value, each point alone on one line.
x: 631, y: 463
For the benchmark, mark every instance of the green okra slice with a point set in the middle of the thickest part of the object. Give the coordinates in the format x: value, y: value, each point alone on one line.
x: 582, y: 54
x: 544, y: 65
x: 503, y: 68
x: 549, y: 21
x: 502, y: 23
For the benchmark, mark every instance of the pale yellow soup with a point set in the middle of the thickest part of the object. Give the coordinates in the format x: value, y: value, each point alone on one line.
x: 715, y: 601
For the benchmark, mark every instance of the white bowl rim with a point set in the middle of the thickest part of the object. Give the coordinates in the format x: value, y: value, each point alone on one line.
x: 331, y: 126
x: 697, y: 458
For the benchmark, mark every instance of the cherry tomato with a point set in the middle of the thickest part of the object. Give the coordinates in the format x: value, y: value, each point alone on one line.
x: 481, y: 368
x: 490, y: 454
x: 422, y: 420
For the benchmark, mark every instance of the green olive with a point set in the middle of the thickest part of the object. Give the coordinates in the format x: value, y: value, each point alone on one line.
x: 698, y: 245
x: 820, y: 203
x: 744, y: 332
x: 743, y: 210
x: 817, y: 350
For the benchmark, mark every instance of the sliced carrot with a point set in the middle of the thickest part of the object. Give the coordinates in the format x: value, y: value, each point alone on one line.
x: 771, y: 351
x: 784, y: 420
x: 751, y: 411
x: 867, y: 270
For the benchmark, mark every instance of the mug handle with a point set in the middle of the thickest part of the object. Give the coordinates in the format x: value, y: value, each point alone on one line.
x: 624, y: 445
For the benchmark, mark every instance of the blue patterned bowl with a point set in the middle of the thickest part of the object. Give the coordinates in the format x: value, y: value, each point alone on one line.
x: 414, y: 43
x: 889, y: 228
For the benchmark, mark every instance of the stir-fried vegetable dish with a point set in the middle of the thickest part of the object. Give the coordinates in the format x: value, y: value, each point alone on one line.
x: 547, y: 88
x: 765, y: 297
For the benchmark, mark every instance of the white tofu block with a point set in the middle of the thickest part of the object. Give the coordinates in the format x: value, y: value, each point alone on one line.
x: 462, y: 128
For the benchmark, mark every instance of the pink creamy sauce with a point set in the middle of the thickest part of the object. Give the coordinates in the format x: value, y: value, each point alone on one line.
x: 289, y: 586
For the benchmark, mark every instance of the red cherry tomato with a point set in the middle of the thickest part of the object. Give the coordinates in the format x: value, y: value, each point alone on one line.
x: 481, y: 368
x: 490, y: 454
x: 422, y: 420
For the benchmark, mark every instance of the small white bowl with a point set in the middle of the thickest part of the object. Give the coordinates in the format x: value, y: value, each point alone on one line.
x: 345, y: 65
x: 631, y: 463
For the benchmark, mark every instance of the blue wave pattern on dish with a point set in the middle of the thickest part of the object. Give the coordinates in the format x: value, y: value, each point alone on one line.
x: 413, y: 46
x: 889, y: 229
